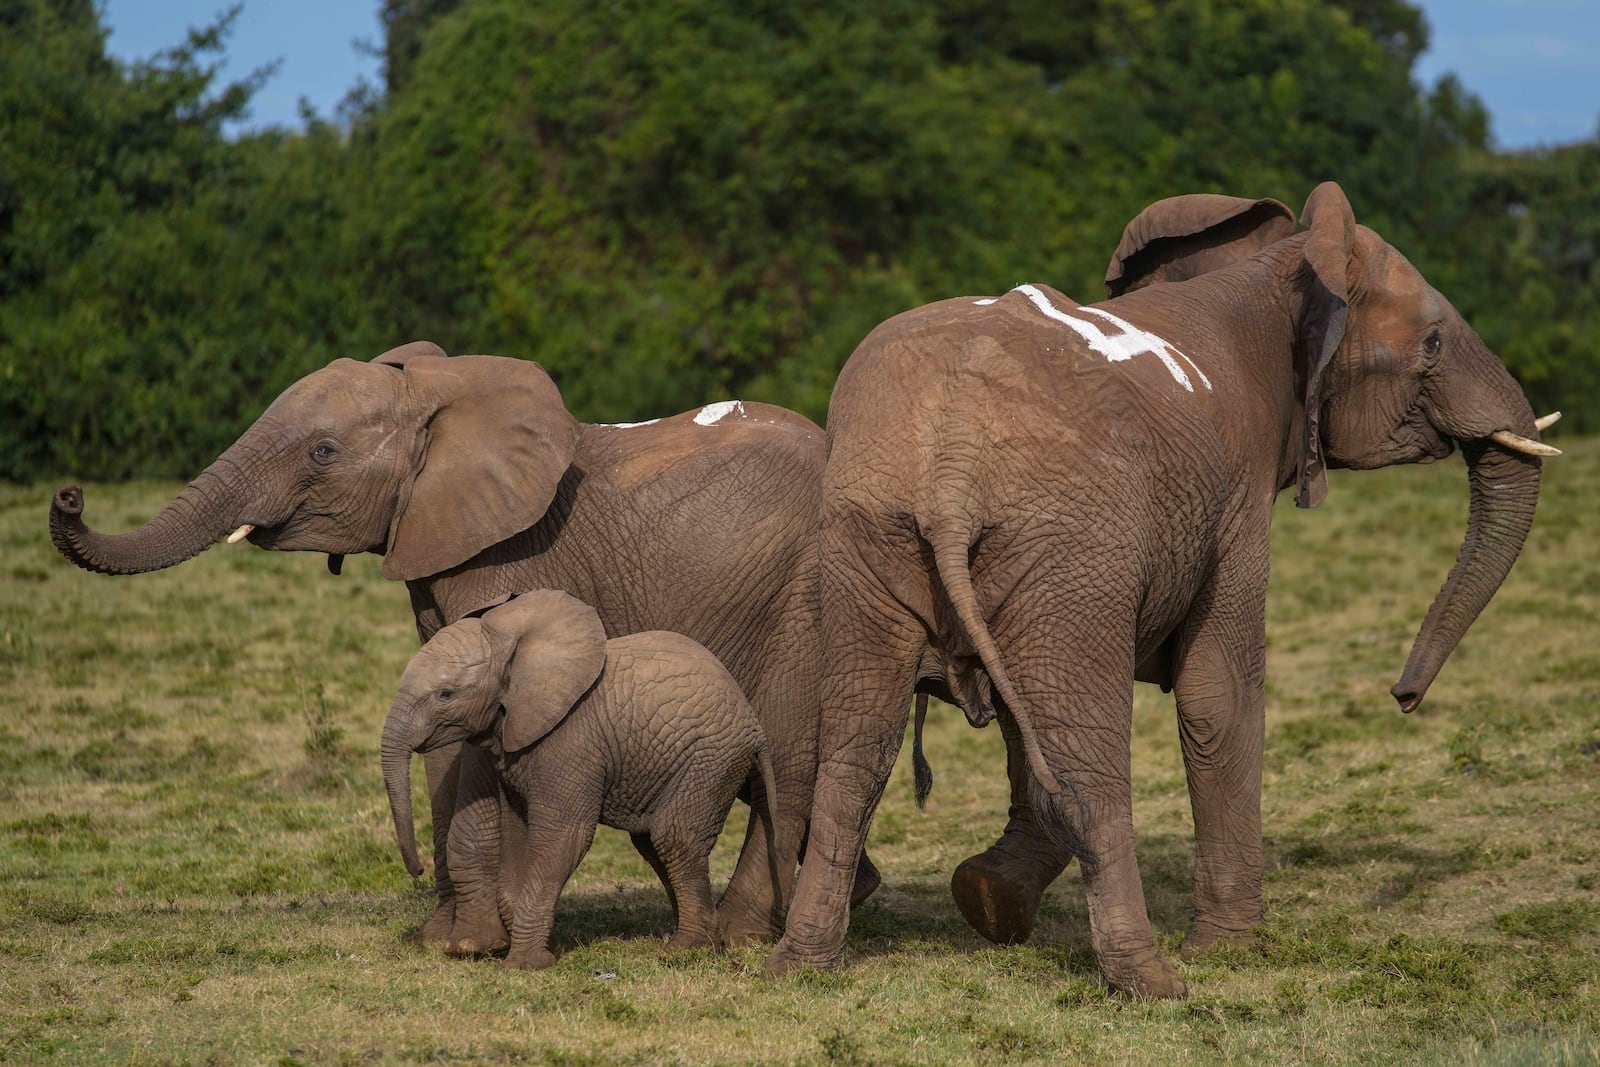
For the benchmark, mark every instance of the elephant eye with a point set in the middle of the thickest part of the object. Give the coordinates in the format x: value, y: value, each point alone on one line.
x: 323, y: 453
x: 1431, y: 343
x: 446, y: 694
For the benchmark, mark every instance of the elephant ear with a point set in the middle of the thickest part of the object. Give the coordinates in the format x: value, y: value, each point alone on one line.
x: 497, y: 441
x: 559, y: 652
x: 1183, y: 237
x: 400, y: 355
x: 1330, y: 253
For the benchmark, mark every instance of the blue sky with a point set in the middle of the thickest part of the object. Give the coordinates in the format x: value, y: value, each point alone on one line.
x: 1536, y: 63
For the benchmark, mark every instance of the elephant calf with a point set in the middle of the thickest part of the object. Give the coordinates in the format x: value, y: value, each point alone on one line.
x: 646, y: 733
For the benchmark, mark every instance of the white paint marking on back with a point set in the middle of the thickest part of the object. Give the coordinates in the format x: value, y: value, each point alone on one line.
x: 1131, y: 330
x: 986, y: 301
x: 1117, y: 347
x: 712, y: 414
x: 630, y: 425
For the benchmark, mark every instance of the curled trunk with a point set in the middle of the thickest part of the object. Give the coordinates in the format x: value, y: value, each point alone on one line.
x: 205, y: 512
x: 396, y: 755
x: 1505, y: 491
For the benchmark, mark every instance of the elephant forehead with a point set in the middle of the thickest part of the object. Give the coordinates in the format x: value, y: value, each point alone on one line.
x: 343, y: 385
x: 456, y: 650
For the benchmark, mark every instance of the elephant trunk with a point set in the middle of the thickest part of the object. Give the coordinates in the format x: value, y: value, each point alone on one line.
x: 202, y: 514
x: 1504, y: 494
x: 396, y: 749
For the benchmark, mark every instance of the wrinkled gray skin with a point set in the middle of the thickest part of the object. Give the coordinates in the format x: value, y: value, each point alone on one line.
x: 645, y: 733
x: 471, y: 478
x: 1015, y: 519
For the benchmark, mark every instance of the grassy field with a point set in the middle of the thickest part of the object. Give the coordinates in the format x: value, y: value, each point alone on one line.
x: 196, y: 864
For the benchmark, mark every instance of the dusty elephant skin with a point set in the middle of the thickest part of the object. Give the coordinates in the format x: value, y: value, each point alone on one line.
x: 646, y: 733
x: 1029, y: 503
x: 471, y: 478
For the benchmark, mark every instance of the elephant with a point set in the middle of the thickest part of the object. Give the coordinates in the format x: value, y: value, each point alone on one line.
x: 473, y: 481
x: 1029, y: 504
x: 646, y: 733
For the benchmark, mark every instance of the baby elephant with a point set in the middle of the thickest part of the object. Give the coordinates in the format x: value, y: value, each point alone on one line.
x: 646, y: 733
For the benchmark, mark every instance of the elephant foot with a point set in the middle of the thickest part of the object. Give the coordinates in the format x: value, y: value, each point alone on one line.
x: 689, y: 940
x: 534, y: 959
x: 786, y: 959
x: 436, y: 931
x: 995, y: 898
x: 1204, y: 936
x: 1152, y: 979
x: 478, y: 938
x: 867, y: 880
x: 741, y: 929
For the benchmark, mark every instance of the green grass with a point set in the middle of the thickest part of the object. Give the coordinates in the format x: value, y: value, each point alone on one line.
x: 196, y: 864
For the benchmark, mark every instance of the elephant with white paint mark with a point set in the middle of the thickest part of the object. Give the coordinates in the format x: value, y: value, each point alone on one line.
x: 1030, y: 503
x: 473, y: 481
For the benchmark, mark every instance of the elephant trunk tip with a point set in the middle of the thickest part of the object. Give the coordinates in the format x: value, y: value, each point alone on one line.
x: 1409, y: 696
x: 415, y: 866
x: 68, y: 500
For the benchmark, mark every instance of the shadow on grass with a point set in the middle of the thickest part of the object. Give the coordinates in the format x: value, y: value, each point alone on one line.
x: 911, y: 912
x: 1420, y: 867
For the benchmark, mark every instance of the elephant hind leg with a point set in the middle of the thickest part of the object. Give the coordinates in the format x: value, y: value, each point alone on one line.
x: 871, y: 666
x: 685, y: 853
x: 998, y: 891
x: 643, y: 845
x: 1085, y: 727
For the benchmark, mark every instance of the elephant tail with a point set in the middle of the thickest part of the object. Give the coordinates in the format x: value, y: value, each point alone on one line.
x: 950, y: 558
x: 767, y: 807
x: 922, y: 773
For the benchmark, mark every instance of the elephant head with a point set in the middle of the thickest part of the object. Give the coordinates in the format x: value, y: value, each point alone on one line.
x: 1388, y: 372
x: 506, y: 678
x: 423, y: 458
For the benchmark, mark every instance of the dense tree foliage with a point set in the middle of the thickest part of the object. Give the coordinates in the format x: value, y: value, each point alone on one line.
x: 672, y: 203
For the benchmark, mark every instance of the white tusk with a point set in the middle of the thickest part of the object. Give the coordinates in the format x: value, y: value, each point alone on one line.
x: 1547, y: 421
x: 240, y: 534
x: 1507, y: 439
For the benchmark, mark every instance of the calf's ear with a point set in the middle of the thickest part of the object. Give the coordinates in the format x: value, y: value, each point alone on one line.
x: 558, y: 651
x: 1183, y: 237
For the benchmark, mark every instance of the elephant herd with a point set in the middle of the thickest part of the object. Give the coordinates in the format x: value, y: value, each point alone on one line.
x: 1022, y: 505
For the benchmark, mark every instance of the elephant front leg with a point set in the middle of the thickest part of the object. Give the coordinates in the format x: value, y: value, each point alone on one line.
x: 998, y: 891
x: 443, y: 768
x: 474, y: 851
x: 555, y: 847
x: 1221, y: 721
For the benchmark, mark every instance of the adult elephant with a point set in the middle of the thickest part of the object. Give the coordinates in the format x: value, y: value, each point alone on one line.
x: 1027, y: 502
x: 474, y: 482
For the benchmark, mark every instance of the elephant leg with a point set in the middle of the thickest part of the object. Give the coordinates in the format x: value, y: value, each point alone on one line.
x: 998, y: 891
x: 751, y: 909
x: 642, y: 845
x: 685, y: 854
x: 555, y: 848
x: 474, y: 851
x: 444, y: 775
x: 1084, y: 722
x: 1220, y: 686
x: 867, y: 683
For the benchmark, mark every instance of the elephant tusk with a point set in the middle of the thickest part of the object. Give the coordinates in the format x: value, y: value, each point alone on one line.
x: 1518, y: 443
x: 240, y: 534
x: 1544, y: 422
